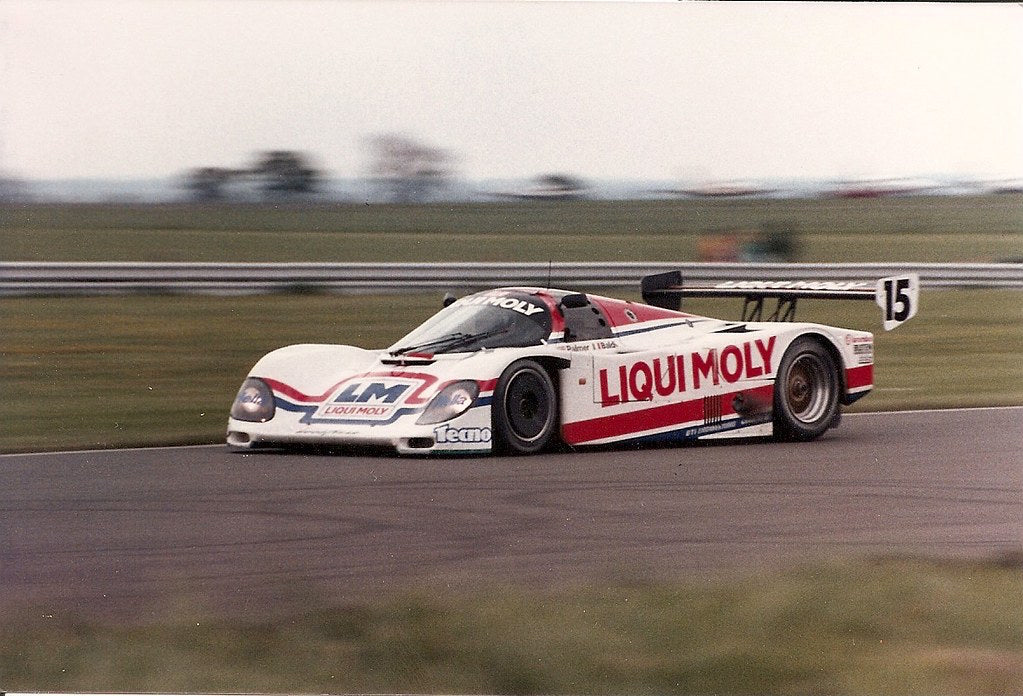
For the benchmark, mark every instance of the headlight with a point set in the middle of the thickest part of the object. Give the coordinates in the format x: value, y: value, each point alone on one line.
x: 453, y: 400
x: 255, y: 402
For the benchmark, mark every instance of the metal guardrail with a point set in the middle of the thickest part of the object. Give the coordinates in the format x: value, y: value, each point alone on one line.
x: 51, y: 278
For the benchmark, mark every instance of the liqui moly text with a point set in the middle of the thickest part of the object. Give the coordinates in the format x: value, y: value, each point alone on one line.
x: 674, y: 374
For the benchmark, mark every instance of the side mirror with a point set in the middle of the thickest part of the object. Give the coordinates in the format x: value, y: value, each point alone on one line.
x: 449, y: 299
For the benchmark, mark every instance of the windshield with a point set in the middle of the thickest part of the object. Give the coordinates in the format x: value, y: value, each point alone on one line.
x: 493, y: 319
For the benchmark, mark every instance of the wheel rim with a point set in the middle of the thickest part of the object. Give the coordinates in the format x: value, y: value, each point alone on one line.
x: 527, y: 406
x: 808, y: 388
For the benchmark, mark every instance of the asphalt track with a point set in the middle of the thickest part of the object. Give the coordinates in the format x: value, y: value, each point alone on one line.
x: 138, y: 532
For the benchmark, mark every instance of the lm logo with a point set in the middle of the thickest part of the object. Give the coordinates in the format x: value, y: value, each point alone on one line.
x: 362, y: 400
x: 370, y: 392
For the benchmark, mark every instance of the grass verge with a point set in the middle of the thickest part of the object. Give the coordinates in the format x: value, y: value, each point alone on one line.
x: 936, y: 228
x: 907, y: 626
x: 100, y: 372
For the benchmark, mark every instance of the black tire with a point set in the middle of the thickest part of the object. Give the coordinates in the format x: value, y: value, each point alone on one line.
x: 806, y: 392
x: 525, y: 409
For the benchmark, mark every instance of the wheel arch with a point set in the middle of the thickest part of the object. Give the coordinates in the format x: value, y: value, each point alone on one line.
x: 797, y: 425
x: 552, y: 364
x: 828, y: 343
x: 508, y: 438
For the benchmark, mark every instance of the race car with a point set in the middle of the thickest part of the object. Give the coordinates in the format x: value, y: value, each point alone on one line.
x: 523, y: 369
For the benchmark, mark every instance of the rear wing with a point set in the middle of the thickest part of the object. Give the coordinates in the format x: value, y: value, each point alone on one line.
x: 897, y: 296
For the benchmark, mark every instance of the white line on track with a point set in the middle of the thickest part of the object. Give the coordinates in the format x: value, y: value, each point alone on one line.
x: 933, y: 410
x: 178, y: 447
x: 123, y: 449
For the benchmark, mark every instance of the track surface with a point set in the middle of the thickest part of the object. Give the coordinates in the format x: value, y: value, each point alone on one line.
x: 135, y: 532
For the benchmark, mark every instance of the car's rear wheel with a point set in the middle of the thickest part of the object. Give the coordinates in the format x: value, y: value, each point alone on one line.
x: 525, y: 408
x: 806, y: 391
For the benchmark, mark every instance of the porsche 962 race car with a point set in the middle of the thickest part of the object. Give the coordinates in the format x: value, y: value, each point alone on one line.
x: 519, y: 369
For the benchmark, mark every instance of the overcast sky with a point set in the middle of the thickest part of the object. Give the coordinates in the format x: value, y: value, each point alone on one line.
x: 514, y: 89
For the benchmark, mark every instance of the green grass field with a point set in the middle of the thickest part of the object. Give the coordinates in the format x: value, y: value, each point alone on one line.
x: 941, y: 229
x: 884, y: 626
x: 117, y: 371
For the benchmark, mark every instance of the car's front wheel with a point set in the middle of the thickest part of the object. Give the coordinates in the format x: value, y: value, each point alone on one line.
x: 806, y: 391
x: 525, y: 408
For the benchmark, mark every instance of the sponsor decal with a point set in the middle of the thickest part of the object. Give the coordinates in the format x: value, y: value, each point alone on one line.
x: 373, y: 398
x: 356, y: 411
x: 699, y: 431
x: 516, y: 305
x: 863, y: 349
x: 366, y: 399
x: 794, y: 285
x: 252, y: 396
x: 374, y: 392
x: 444, y: 434
x: 712, y: 428
x: 674, y: 374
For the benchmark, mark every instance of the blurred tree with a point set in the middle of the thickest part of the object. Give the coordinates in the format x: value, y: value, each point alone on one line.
x: 779, y: 241
x: 408, y: 171
x: 207, y: 183
x: 284, y: 173
x: 13, y: 190
x: 559, y: 187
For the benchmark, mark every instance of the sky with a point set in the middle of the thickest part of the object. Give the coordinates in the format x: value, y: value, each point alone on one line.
x: 617, y: 90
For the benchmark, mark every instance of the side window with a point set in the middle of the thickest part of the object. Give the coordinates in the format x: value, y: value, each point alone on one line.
x: 584, y: 322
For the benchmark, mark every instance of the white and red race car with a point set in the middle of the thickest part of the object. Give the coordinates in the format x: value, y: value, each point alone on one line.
x: 520, y: 369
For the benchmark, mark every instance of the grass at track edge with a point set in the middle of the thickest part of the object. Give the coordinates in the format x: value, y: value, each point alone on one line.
x: 105, y: 372
x: 905, y: 625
